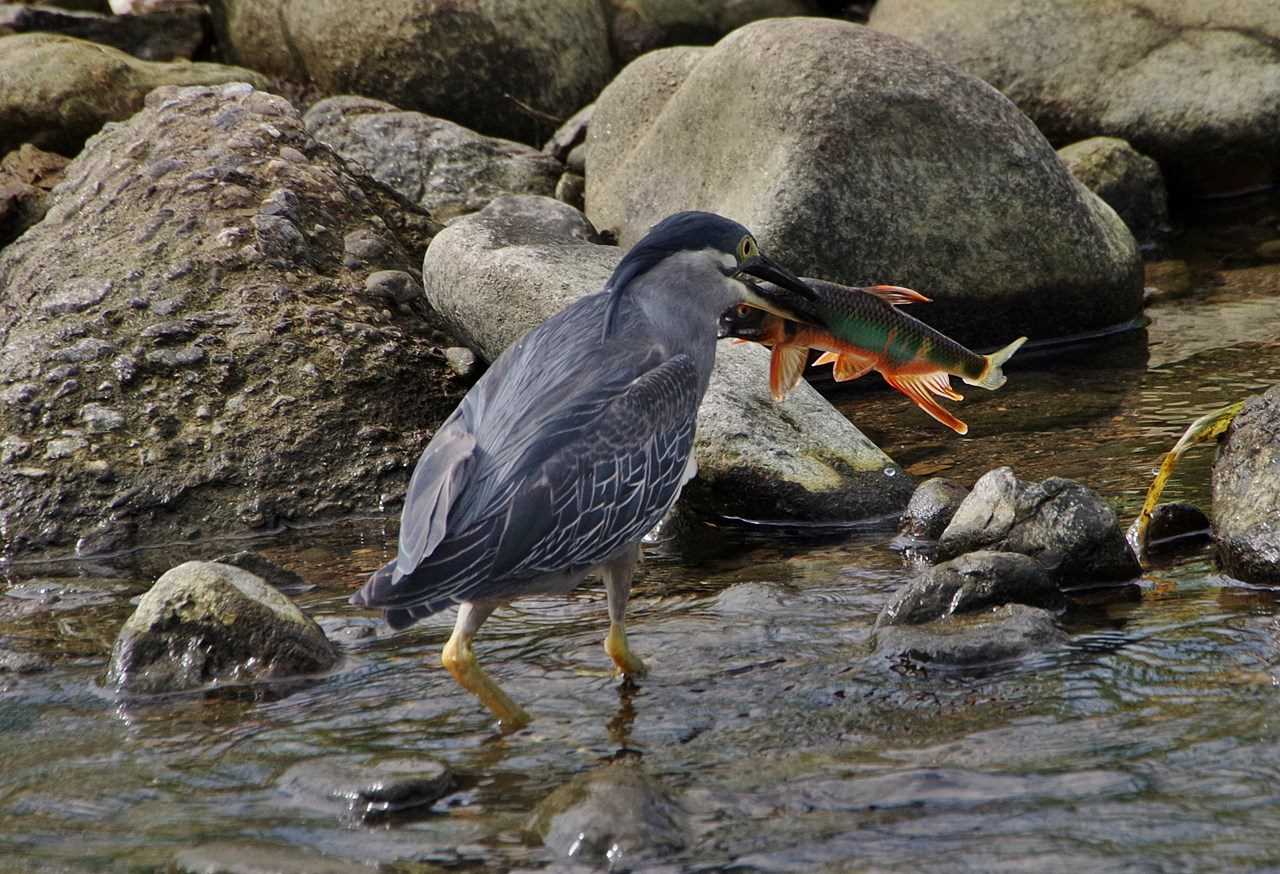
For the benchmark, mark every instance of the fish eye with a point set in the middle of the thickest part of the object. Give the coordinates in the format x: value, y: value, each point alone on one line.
x: 742, y: 311
x: 747, y: 248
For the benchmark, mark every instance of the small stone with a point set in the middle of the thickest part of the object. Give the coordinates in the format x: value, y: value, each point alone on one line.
x: 365, y: 245
x: 31, y: 472
x: 973, y: 639
x: 461, y: 360
x: 170, y: 359
x: 12, y: 662
x: 88, y: 349
x: 13, y: 448
x: 77, y: 297
x: 370, y: 790
x: 931, y: 507
x: 164, y: 333
x: 392, y: 285
x: 62, y: 447
x: 100, y: 419
x: 571, y: 188
x: 974, y: 581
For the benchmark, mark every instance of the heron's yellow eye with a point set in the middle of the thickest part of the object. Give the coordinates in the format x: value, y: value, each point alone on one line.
x: 747, y: 248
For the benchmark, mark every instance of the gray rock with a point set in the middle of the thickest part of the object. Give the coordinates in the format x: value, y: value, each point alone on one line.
x: 572, y: 189
x: 974, y: 639
x: 441, y: 166
x: 1246, y: 492
x: 639, y: 26
x: 910, y: 172
x: 52, y: 112
x: 503, y: 68
x: 158, y: 36
x: 207, y: 623
x: 569, y: 135
x: 367, y: 789
x: 1119, y: 68
x: 1127, y: 180
x: 616, y: 815
x: 1062, y: 524
x: 499, y: 272
x: 251, y: 858
x: 392, y: 287
x: 931, y: 507
x: 15, y: 662
x: 244, y: 372
x: 462, y: 361
x: 975, y: 581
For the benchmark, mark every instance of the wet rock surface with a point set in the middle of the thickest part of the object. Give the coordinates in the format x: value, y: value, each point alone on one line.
x: 505, y: 69
x: 1129, y: 182
x: 1062, y: 524
x: 159, y: 36
x: 368, y: 789
x: 443, y: 167
x: 770, y: 129
x: 973, y: 582
x: 932, y: 505
x: 250, y: 858
x: 188, y: 346
x: 206, y: 623
x: 1117, y: 68
x: 616, y: 815
x: 287, y: 581
x: 56, y: 91
x: 973, y: 639
x: 522, y: 259
x: 1246, y: 492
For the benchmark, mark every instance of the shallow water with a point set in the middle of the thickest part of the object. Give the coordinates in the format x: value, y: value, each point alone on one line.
x: 1149, y: 742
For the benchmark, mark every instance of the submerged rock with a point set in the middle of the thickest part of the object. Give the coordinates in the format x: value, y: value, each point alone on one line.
x: 1246, y: 492
x: 441, y: 166
x: 975, y: 581
x: 249, y: 858
x: 504, y: 68
x: 368, y: 789
x: 931, y: 507
x: 908, y: 172
x: 206, y: 623
x: 1127, y: 180
x: 499, y: 272
x: 1063, y: 525
x: 616, y: 815
x: 1119, y: 68
x: 46, y: 80
x: 184, y: 341
x: 973, y: 639
x: 1172, y: 525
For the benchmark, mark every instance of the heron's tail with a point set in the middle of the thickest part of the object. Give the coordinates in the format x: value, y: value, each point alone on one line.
x: 376, y: 593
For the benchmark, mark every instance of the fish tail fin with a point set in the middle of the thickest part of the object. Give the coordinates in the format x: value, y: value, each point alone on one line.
x: 992, y: 376
x: 918, y: 386
x: 786, y: 366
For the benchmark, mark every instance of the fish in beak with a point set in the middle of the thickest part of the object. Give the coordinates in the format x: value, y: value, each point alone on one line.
x: 784, y: 293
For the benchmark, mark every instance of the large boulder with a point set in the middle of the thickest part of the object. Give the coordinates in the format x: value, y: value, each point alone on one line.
x: 441, y: 166
x: 160, y: 36
x: 507, y: 68
x: 1192, y: 84
x: 1246, y: 492
x: 204, y: 623
x: 1126, y: 179
x: 639, y: 26
x: 499, y: 272
x: 187, y: 342
x: 56, y: 91
x: 859, y: 158
x: 1062, y: 524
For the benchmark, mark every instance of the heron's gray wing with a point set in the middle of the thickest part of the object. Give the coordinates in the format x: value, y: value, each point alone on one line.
x: 438, y: 479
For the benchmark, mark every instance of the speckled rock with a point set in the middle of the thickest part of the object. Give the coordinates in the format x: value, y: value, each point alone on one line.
x: 1127, y: 180
x: 499, y: 272
x: 904, y: 170
x: 186, y: 318
x: 931, y: 507
x: 1120, y: 68
x: 506, y: 68
x: 443, y: 167
x: 1246, y: 492
x: 974, y: 581
x: 615, y: 815
x: 1062, y: 524
x: 160, y: 36
x: 639, y: 26
x: 206, y: 623
x: 56, y: 91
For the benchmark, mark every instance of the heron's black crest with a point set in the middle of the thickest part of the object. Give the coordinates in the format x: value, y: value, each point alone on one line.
x: 682, y: 232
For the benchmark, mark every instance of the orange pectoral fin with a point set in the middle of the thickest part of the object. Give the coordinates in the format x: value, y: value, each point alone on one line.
x: 896, y: 294
x: 850, y: 366
x: 786, y: 366
x: 918, y: 390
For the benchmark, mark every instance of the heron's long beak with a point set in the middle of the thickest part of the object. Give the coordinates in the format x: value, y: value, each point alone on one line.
x: 785, y: 295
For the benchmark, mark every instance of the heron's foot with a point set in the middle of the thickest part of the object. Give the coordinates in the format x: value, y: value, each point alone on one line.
x: 629, y: 664
x: 460, y: 660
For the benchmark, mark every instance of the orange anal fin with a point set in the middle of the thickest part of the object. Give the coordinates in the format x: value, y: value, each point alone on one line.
x: 851, y: 366
x: 939, y: 382
x: 913, y: 387
x: 896, y: 294
x: 786, y: 366
x: 826, y: 358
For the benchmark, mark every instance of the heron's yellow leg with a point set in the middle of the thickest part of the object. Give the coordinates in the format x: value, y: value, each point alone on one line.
x: 615, y: 644
x: 1205, y: 428
x: 617, y: 585
x: 460, y: 660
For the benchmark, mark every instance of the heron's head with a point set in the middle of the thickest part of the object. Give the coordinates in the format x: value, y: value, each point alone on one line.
x: 709, y: 255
